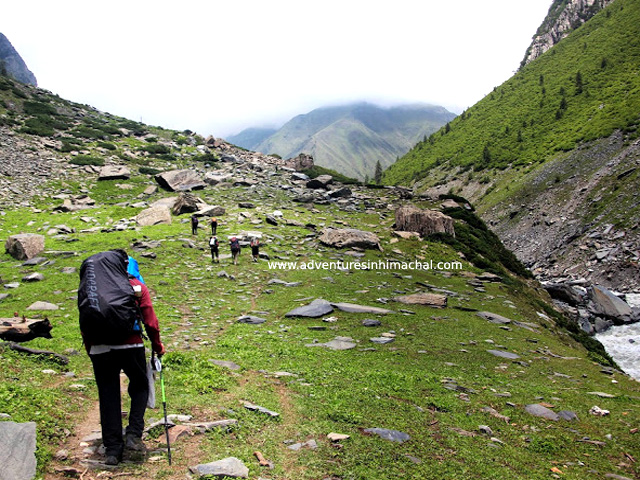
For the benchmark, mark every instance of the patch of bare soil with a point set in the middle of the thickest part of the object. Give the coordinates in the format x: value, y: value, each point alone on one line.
x: 84, y: 458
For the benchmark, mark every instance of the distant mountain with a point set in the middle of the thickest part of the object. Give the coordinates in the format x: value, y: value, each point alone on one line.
x: 551, y: 158
x: 251, y: 138
x: 350, y: 139
x: 11, y: 63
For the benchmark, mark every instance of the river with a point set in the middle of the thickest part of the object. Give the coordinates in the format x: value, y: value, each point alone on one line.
x: 623, y: 343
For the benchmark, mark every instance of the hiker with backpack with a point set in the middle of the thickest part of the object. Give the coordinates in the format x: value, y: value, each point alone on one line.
x: 235, y: 249
x: 214, y: 226
x: 194, y: 225
x: 113, y: 308
x: 213, y: 245
x: 255, y: 248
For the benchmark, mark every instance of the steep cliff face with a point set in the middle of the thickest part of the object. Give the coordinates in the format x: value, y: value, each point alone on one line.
x: 11, y: 63
x: 564, y: 16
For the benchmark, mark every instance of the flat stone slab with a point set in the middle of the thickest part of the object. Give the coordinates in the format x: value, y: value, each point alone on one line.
x: 392, y: 435
x: 494, y: 318
x: 17, y: 450
x: 251, y: 320
x: 338, y: 343
x: 226, y: 364
x: 503, y: 354
x: 538, y: 410
x: 315, y: 309
x: 258, y: 408
x: 382, y: 340
x: 429, y: 299
x: 228, y: 467
x: 42, y: 306
x: 353, y: 308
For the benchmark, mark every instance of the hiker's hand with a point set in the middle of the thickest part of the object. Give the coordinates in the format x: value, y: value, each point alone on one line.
x: 161, y: 351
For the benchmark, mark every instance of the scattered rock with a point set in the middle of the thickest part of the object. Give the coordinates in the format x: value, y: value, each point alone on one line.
x: 154, y: 216
x: 338, y: 343
x: 258, y: 408
x: 114, y: 172
x: 354, y: 308
x: 17, y: 450
x: 24, y: 245
x: 392, y: 435
x: 430, y: 299
x: 228, y: 467
x: 39, y: 305
x: 503, y: 354
x: 315, y: 309
x: 538, y: 410
x: 180, y: 180
x: 251, y: 320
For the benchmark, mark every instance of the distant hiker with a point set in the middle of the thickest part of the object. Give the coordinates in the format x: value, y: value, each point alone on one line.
x: 194, y: 225
x: 213, y: 245
x: 255, y: 248
x: 235, y: 249
x: 113, y: 306
x: 214, y: 225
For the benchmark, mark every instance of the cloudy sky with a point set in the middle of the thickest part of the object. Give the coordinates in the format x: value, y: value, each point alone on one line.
x: 218, y: 67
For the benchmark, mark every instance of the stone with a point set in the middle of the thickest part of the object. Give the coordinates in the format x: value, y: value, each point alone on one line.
x: 39, y: 305
x: 154, y: 216
x: 315, y: 309
x: 353, y: 308
x: 300, y: 163
x: 228, y: 467
x: 312, y: 444
x: 494, y: 318
x: 430, y: 299
x: 343, y: 192
x: 338, y: 343
x: 17, y: 450
x: 382, y: 340
x: 568, y: 415
x: 538, y: 410
x: 565, y: 293
x: 425, y: 222
x: 33, y: 277
x: 503, y: 354
x: 337, y: 437
x: 187, y: 203
x: 24, y: 246
x: 180, y: 180
x: 371, y: 323
x: 277, y: 281
x: 211, y: 211
x: 605, y: 303
x: 226, y: 364
x: 321, y: 181
x: 114, y: 172
x: 251, y: 320
x: 392, y: 435
x: 349, y: 238
x: 258, y: 408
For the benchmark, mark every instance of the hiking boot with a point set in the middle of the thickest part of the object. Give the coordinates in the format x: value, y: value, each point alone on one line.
x: 134, y: 443
x: 112, y: 460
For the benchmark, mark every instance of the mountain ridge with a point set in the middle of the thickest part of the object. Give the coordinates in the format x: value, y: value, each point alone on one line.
x: 12, y: 63
x: 366, y: 133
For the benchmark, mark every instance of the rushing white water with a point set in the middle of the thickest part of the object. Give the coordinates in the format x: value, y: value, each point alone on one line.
x: 623, y: 342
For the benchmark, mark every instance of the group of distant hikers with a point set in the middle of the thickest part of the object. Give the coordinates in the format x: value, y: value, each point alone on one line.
x: 234, y: 243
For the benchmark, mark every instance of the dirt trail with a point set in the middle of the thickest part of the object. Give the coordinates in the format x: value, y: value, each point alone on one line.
x: 83, y: 465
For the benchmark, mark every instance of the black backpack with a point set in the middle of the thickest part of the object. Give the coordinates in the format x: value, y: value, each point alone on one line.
x: 235, y: 244
x: 107, y: 304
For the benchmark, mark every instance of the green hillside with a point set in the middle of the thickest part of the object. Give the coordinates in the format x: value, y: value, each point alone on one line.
x: 585, y: 88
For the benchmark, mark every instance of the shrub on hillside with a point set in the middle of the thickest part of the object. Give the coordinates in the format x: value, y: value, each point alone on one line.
x: 149, y: 171
x: 87, y: 160
x: 38, y: 108
x: 156, y: 149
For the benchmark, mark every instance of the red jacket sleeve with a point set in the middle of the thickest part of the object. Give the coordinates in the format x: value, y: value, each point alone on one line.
x: 149, y: 318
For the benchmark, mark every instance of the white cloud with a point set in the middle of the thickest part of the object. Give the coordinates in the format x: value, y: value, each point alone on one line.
x: 217, y: 67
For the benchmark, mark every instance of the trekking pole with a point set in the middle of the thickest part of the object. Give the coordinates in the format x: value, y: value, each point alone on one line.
x: 158, y: 366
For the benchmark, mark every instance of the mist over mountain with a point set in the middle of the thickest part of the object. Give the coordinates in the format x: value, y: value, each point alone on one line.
x: 350, y: 139
x: 12, y: 64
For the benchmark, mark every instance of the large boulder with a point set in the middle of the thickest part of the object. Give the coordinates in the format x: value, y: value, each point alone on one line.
x: 187, y: 203
x: 605, y: 303
x: 321, y: 181
x: 426, y: 222
x: 114, y: 172
x: 154, y: 216
x: 348, y: 238
x: 213, y: 178
x: 24, y: 246
x: 180, y: 180
x: 211, y: 211
x: 299, y: 163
